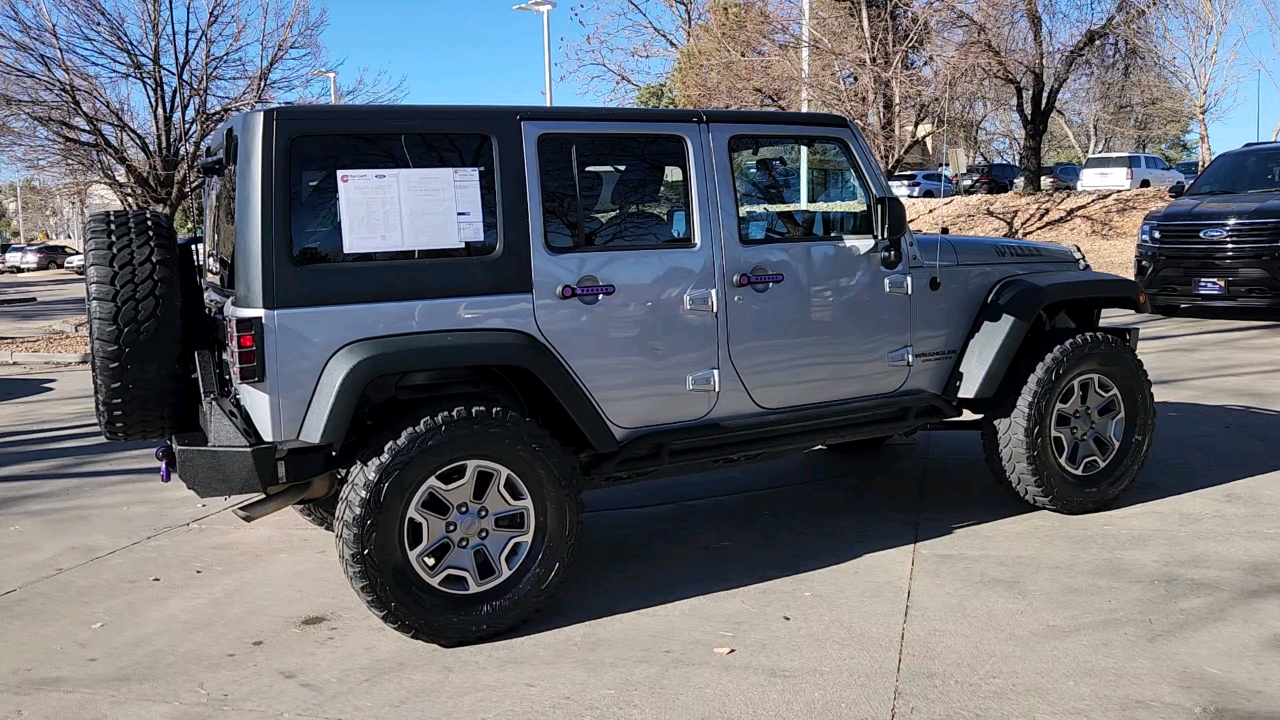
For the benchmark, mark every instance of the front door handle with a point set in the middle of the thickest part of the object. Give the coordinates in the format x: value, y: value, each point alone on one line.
x: 589, y: 290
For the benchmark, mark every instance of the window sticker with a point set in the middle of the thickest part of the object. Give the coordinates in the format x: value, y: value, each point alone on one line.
x: 409, y: 209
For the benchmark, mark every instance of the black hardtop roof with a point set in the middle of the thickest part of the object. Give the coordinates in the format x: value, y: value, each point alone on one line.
x: 598, y: 114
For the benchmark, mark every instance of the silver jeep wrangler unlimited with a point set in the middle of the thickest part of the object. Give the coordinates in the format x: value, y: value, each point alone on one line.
x: 432, y: 328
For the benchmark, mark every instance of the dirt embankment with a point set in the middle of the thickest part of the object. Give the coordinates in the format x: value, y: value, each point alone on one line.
x: 1103, y: 224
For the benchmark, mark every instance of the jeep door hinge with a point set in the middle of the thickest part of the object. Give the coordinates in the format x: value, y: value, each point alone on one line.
x: 700, y: 300
x: 903, y: 357
x: 899, y: 284
x: 705, y: 381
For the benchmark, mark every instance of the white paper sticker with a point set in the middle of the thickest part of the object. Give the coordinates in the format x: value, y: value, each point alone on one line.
x: 409, y: 209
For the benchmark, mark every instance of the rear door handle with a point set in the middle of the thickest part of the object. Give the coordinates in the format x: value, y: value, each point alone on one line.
x: 597, y: 291
x: 752, y: 279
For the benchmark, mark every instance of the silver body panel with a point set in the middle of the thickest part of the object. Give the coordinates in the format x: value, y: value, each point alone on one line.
x: 634, y: 350
x: 675, y: 342
x: 825, y: 332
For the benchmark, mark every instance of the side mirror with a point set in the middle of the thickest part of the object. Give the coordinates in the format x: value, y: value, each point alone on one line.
x: 1177, y: 189
x: 892, y: 217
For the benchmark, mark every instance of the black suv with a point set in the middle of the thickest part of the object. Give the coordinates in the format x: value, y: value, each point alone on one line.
x: 1218, y: 243
x: 990, y: 179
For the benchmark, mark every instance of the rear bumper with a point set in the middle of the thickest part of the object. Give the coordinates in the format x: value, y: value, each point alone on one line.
x: 1168, y: 275
x: 222, y: 459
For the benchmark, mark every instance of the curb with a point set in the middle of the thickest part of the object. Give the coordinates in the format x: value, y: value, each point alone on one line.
x: 10, y: 357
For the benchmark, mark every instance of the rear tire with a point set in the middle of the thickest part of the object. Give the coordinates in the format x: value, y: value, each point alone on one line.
x: 140, y: 376
x: 1022, y: 437
x: 1144, y: 184
x: 319, y: 512
x: 927, y: 194
x: 53, y: 265
x: 388, y: 565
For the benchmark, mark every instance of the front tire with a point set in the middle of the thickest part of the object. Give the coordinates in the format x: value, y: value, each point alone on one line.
x: 1074, y: 425
x: 413, y: 529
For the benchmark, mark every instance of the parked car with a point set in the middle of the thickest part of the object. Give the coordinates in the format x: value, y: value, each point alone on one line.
x: 75, y: 264
x: 921, y: 185
x: 1062, y: 176
x: 1190, y: 170
x: 46, y: 256
x: 1218, y: 242
x: 1126, y: 171
x: 989, y: 179
x: 462, y: 382
x: 13, y: 258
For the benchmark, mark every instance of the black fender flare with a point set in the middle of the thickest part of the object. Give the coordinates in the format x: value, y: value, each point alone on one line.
x: 351, y: 368
x: 1014, y: 305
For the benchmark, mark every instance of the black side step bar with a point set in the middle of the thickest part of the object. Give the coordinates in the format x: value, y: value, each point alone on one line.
x: 794, y: 430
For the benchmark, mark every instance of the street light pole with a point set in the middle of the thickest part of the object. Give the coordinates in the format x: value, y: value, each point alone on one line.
x: 804, y: 104
x: 544, y: 7
x: 22, y: 230
x: 333, y: 84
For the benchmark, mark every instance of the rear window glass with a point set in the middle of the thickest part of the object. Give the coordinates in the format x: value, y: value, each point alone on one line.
x: 315, y: 223
x: 1112, y: 162
x: 903, y: 176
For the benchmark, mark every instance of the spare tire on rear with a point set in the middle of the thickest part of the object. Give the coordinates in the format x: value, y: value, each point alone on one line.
x: 141, y: 379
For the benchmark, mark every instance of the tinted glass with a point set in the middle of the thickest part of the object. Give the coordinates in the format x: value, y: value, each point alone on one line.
x: 1240, y: 172
x: 314, y: 223
x: 1069, y: 173
x: 1188, y: 168
x: 766, y: 175
x: 904, y: 177
x: 1108, y: 163
x: 614, y: 191
x: 933, y: 177
x: 1151, y: 163
x: 220, y: 227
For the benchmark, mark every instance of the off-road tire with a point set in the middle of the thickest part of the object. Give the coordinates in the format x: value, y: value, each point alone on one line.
x: 860, y: 447
x: 141, y: 379
x: 1015, y: 433
x: 371, y: 507
x: 319, y: 512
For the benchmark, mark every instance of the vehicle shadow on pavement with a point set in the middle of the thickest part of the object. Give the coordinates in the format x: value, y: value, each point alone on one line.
x: 17, y: 388
x: 825, y: 509
x: 1251, y: 314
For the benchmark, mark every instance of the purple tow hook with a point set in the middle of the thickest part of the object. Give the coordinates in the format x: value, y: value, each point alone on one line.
x: 165, y: 455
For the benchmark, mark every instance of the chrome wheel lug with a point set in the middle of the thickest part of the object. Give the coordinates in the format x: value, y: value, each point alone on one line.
x: 463, y: 542
x: 483, y: 533
x: 483, y: 512
x: 451, y: 526
x: 463, y: 509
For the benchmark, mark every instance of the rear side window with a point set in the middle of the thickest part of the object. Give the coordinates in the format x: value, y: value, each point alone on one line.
x: 771, y: 208
x: 614, y: 192
x: 315, y: 221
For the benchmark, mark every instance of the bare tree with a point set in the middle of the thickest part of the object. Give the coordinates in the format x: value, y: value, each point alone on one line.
x: 1200, y: 42
x: 1033, y: 48
x: 127, y: 91
x: 630, y: 44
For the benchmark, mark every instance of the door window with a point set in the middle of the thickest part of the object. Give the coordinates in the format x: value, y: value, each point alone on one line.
x: 1152, y: 164
x: 614, y: 192
x: 766, y: 175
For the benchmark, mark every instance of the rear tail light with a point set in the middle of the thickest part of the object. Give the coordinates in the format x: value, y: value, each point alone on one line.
x: 244, y: 341
x: 1128, y: 174
x: 914, y: 183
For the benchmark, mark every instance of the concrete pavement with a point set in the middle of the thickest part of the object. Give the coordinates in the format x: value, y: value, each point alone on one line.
x: 901, y: 585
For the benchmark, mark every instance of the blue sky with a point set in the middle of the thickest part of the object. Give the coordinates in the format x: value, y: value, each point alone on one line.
x: 483, y: 52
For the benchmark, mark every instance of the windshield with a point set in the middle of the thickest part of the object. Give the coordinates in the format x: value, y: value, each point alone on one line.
x: 1188, y: 168
x: 1252, y: 171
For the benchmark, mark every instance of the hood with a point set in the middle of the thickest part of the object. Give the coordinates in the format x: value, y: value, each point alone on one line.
x: 1219, y: 208
x: 977, y: 250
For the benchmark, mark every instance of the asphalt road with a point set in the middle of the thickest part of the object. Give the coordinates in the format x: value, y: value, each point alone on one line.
x: 59, y: 296
x: 904, y: 585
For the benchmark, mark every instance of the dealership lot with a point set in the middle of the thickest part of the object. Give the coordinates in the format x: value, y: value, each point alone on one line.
x: 904, y: 584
